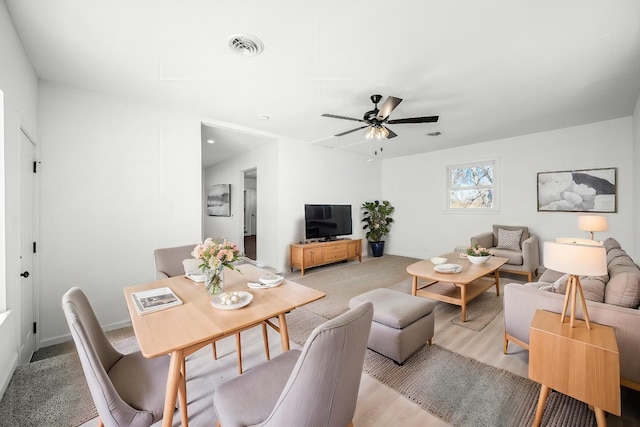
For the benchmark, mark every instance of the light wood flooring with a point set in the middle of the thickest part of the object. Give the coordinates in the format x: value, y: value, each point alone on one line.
x: 378, y: 405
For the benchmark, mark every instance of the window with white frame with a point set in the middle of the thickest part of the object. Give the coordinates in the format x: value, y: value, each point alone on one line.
x: 472, y: 186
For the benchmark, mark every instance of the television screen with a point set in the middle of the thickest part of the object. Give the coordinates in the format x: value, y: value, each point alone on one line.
x: 327, y: 221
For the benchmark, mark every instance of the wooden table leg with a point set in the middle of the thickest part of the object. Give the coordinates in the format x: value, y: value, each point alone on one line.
x: 239, y: 351
x: 463, y: 297
x: 544, y: 393
x: 600, y: 417
x: 497, y: 277
x: 414, y: 286
x: 182, y: 399
x: 284, y: 333
x: 173, y: 380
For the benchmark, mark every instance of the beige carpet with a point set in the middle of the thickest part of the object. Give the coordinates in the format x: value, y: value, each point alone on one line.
x: 467, y: 393
x: 56, y: 388
x: 389, y: 271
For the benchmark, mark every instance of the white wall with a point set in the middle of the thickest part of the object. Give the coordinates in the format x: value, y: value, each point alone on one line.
x: 415, y: 186
x: 118, y: 181
x: 636, y: 180
x: 19, y: 86
x: 291, y: 174
x: 265, y: 160
x: 313, y: 174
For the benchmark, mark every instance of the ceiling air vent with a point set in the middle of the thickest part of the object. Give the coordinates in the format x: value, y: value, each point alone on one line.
x: 246, y: 44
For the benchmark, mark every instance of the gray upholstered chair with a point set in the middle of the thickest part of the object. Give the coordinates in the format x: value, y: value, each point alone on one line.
x: 128, y: 390
x: 317, y: 386
x: 523, y: 253
x: 168, y: 263
x: 169, y: 260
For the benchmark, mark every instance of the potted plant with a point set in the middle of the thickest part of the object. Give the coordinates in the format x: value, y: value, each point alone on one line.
x: 377, y: 218
x: 477, y: 254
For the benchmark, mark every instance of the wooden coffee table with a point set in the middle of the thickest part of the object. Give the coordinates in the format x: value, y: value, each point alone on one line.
x: 456, y: 288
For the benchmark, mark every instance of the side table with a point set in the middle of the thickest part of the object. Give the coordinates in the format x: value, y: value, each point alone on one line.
x: 579, y: 362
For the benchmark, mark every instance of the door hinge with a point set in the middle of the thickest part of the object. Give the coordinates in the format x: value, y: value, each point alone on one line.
x: 34, y: 247
x: 35, y: 327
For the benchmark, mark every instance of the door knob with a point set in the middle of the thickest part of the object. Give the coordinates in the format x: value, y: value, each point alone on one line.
x: 25, y: 274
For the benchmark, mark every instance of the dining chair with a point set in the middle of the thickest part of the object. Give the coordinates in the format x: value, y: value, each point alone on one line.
x: 169, y: 263
x: 127, y: 389
x: 317, y: 386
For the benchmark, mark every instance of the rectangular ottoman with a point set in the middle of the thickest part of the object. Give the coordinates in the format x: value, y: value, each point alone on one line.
x: 402, y: 323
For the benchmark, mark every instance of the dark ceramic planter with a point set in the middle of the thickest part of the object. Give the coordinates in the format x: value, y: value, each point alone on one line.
x: 377, y: 248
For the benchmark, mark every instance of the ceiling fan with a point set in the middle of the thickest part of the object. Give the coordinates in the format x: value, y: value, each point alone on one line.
x: 376, y: 119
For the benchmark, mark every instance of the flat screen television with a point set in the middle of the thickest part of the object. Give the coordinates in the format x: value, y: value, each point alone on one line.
x: 327, y: 221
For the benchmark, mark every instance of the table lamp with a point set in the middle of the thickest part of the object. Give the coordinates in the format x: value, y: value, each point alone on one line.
x: 592, y: 223
x: 576, y: 260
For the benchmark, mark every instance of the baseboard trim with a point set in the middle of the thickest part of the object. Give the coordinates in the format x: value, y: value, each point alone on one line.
x: 4, y: 383
x: 67, y: 337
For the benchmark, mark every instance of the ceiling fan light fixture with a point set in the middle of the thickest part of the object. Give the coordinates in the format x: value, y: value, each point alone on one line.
x: 370, y: 132
x: 376, y: 132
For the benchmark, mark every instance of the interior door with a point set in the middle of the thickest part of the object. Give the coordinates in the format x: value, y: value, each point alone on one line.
x: 27, y: 295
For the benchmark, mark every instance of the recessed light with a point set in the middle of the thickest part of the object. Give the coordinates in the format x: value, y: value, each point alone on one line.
x: 210, y: 141
x: 264, y: 117
x: 434, y: 133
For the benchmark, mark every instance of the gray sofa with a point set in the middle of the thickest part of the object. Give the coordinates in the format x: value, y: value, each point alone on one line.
x: 612, y: 300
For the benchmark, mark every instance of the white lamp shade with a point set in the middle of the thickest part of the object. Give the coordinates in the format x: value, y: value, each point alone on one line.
x: 572, y: 258
x: 592, y: 223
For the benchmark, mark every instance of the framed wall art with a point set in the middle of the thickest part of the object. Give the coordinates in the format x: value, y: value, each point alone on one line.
x: 585, y: 190
x: 219, y: 200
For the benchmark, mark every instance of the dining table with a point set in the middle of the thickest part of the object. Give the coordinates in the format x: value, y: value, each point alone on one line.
x: 181, y: 330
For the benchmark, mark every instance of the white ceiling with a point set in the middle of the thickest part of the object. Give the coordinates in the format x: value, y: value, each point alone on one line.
x: 489, y: 68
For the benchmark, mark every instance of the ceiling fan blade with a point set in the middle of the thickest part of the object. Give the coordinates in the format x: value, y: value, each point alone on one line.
x: 349, y: 131
x: 429, y: 119
x: 392, y: 134
x: 389, y: 105
x: 333, y: 116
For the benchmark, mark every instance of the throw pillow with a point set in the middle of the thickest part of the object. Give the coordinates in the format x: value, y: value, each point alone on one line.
x: 509, y: 239
x: 191, y: 265
x: 560, y: 285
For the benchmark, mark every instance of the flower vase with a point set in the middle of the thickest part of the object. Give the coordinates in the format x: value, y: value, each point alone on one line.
x: 214, y: 280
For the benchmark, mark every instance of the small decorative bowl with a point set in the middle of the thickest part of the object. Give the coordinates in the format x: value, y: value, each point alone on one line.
x: 437, y: 260
x: 271, y: 279
x: 478, y: 259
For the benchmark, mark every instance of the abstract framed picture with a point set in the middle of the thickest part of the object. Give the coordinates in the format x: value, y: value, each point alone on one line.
x: 219, y: 200
x: 585, y: 190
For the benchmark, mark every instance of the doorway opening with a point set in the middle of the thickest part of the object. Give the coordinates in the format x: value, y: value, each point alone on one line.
x: 250, y: 213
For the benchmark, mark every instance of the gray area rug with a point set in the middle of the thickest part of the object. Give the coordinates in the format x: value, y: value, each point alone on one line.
x: 467, y: 393
x: 56, y: 388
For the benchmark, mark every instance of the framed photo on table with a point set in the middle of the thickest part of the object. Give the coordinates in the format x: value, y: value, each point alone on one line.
x: 219, y: 200
x: 583, y: 190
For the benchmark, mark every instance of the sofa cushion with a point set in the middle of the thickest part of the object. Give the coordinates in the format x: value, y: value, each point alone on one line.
x: 614, y: 254
x: 509, y: 239
x: 623, y: 288
x: 593, y: 287
x: 514, y: 257
x: 611, y: 243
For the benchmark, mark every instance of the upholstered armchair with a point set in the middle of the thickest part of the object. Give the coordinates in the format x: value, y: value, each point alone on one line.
x: 514, y: 243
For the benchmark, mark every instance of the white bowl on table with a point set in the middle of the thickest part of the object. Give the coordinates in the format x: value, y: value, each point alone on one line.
x: 478, y: 259
x: 270, y: 279
x: 437, y: 260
